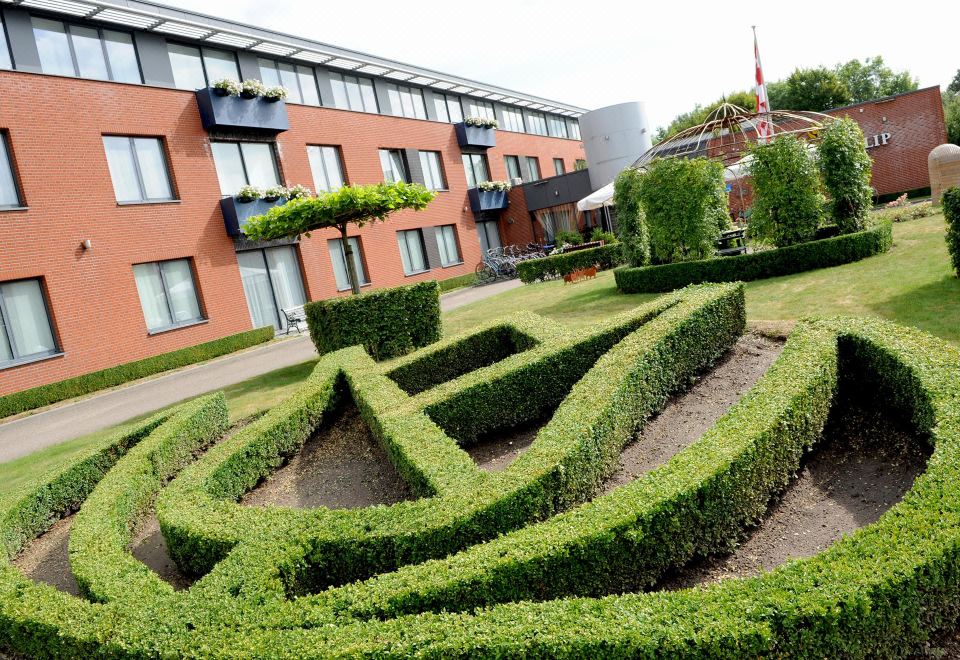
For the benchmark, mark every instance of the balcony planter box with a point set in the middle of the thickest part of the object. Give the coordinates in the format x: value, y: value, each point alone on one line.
x: 230, y: 113
x: 487, y: 200
x: 476, y: 136
x: 236, y: 213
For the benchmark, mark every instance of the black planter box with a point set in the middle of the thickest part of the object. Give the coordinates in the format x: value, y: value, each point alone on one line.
x: 229, y: 113
x: 236, y: 213
x: 476, y: 136
x: 487, y: 200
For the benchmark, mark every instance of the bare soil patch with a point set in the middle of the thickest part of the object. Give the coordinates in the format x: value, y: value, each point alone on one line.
x: 864, y: 464
x: 341, y: 467
x: 46, y: 558
x: 149, y: 546
x: 688, y: 416
x: 496, y: 451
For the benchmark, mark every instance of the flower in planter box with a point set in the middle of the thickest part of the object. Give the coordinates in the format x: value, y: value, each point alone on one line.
x: 251, y: 88
x: 277, y: 93
x: 273, y: 193
x: 491, y: 186
x: 249, y: 194
x: 481, y: 122
x: 226, y: 87
x: 298, y: 191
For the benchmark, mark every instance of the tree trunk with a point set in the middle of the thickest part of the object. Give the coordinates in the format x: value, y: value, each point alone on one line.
x: 348, y: 256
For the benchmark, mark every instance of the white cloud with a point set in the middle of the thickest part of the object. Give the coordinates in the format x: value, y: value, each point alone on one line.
x: 592, y: 54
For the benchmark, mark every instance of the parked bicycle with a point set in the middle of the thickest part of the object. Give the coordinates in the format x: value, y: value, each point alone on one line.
x: 501, y: 263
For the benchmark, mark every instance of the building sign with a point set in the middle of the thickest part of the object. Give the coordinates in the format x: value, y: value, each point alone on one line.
x: 877, y: 140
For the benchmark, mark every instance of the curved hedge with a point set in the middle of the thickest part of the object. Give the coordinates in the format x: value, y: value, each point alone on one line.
x: 541, y: 589
x: 759, y: 265
x: 604, y: 257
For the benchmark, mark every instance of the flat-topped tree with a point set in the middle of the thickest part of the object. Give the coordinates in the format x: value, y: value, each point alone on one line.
x: 350, y: 205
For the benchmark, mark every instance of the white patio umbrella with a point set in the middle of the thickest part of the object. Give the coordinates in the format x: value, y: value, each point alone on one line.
x: 597, y: 199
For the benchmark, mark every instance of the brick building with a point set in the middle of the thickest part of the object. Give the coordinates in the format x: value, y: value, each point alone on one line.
x: 117, y: 194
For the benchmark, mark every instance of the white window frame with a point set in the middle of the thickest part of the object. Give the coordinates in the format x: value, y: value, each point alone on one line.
x: 138, y: 172
x: 446, y: 236
x: 403, y: 236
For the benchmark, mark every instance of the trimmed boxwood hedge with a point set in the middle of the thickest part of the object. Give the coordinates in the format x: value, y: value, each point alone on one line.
x: 387, y: 322
x: 876, y: 593
x: 37, y: 397
x: 604, y: 257
x: 759, y: 265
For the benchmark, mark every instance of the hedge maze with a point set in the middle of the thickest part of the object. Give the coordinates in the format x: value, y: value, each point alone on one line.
x: 527, y: 561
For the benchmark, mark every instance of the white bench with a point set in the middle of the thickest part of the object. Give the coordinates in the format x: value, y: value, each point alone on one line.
x: 295, y: 316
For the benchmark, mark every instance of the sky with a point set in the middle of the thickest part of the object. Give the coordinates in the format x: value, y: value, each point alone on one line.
x: 669, y: 54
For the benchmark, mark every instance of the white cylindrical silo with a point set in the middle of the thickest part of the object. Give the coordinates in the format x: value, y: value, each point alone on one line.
x: 613, y: 138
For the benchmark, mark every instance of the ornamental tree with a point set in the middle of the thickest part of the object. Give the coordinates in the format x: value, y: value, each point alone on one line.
x: 350, y: 205
x: 845, y: 167
x: 951, y: 211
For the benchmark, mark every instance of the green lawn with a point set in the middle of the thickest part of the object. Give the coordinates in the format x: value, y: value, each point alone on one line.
x: 912, y: 285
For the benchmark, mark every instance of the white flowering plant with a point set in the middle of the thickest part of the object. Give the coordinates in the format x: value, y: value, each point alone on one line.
x: 274, y: 193
x: 490, y: 186
x: 227, y: 86
x: 249, y: 194
x: 298, y: 192
x: 251, y: 88
x: 481, y: 122
x: 277, y: 93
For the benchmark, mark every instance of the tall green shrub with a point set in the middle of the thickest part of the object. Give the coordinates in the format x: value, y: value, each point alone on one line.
x: 787, y: 203
x: 685, y: 204
x: 631, y: 225
x: 951, y: 211
x: 846, y: 167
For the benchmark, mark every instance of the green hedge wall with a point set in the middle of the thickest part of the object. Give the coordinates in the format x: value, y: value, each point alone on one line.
x: 759, y: 265
x: 951, y: 212
x: 558, y: 265
x: 37, y: 397
x: 387, y: 323
x: 458, y: 282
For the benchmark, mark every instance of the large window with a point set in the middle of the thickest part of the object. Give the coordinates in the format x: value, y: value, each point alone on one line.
x: 430, y: 163
x: 25, y: 331
x: 512, y: 120
x: 339, y: 261
x: 412, y: 251
x: 406, y: 101
x: 74, y: 50
x: 168, y: 294
x: 326, y: 167
x: 9, y: 192
x: 489, y: 234
x: 394, y: 165
x: 448, y: 107
x: 532, y: 167
x: 194, y: 68
x: 476, y: 168
x: 5, y: 61
x: 298, y: 79
x: 271, y: 283
x: 536, y: 123
x: 558, y: 166
x: 245, y: 163
x: 138, y: 167
x: 477, y: 108
x: 557, y: 126
x: 353, y: 93
x: 447, y: 244
x: 513, y: 167
x: 573, y: 129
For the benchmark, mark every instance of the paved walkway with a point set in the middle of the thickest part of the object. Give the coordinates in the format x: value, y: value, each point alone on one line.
x: 64, y: 422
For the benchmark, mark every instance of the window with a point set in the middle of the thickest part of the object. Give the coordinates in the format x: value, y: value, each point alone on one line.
x: 299, y: 80
x: 74, y: 50
x: 194, y: 68
x: 326, y: 167
x: 489, y: 234
x: 406, y: 102
x: 394, y: 166
x: 245, y: 163
x: 476, y: 168
x: 513, y: 167
x: 557, y: 126
x: 430, y: 163
x: 5, y: 60
x: 9, y: 192
x: 168, y: 294
x: 412, y: 251
x: 138, y: 167
x: 25, y: 331
x: 353, y: 93
x: 513, y: 120
x: 558, y: 166
x: 271, y: 283
x: 447, y: 244
x: 448, y: 108
x: 573, y: 129
x: 339, y: 260
x: 536, y: 123
x: 533, y: 168
x: 477, y: 108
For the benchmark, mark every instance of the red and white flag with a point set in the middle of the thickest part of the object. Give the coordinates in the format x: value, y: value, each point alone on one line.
x: 764, y: 127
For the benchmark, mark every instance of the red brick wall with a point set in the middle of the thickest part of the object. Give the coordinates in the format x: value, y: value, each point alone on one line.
x: 55, y: 127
